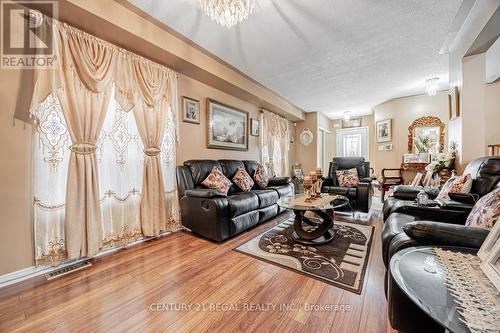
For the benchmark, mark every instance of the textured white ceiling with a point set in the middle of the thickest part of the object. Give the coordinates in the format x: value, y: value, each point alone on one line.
x: 326, y: 55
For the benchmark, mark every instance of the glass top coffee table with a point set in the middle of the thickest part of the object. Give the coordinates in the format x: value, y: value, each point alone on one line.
x: 315, y: 228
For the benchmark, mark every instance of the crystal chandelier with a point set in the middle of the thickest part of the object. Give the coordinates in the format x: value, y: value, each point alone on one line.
x: 228, y: 12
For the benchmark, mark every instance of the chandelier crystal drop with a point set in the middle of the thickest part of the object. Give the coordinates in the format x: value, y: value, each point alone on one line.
x: 228, y: 12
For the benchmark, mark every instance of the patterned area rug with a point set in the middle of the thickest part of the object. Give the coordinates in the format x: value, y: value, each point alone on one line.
x: 341, y: 262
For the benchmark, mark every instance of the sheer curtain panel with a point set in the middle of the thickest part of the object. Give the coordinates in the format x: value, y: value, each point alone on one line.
x: 275, y: 143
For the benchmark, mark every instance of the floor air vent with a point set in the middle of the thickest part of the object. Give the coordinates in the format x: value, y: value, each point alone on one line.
x: 68, y: 269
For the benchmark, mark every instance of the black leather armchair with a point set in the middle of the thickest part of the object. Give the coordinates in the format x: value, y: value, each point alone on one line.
x: 485, y: 172
x: 218, y: 216
x: 359, y: 196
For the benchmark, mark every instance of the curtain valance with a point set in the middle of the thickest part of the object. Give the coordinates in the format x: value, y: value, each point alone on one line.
x: 97, y: 64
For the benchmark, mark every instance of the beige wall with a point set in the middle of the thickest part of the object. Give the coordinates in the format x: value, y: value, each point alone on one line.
x: 193, y: 144
x: 403, y: 111
x: 16, y: 231
x: 492, y: 119
x: 307, y: 155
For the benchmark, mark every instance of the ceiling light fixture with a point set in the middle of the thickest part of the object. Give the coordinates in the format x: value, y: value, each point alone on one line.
x: 431, y: 86
x: 347, y: 115
x: 227, y: 12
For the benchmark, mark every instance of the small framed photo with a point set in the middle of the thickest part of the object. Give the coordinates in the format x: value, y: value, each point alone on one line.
x: 388, y: 146
x: 354, y: 122
x: 384, y: 130
x: 453, y: 101
x: 190, y: 110
x: 254, y: 127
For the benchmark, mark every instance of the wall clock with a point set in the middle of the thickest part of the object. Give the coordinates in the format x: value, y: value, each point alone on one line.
x: 306, y: 137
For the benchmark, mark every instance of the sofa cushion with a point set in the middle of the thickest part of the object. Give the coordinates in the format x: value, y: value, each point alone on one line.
x: 485, y: 172
x: 217, y: 181
x: 459, y: 184
x: 243, y: 222
x: 243, y: 180
x: 347, y: 178
x: 229, y: 168
x: 241, y: 203
x: 268, y: 213
x: 251, y: 166
x: 283, y: 190
x: 349, y: 192
x: 486, y: 211
x: 261, y: 177
x: 266, y: 197
x: 200, y: 169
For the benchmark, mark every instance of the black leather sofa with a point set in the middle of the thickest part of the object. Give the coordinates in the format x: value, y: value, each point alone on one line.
x: 218, y: 216
x: 360, y: 196
x: 408, y: 225
x: 485, y: 172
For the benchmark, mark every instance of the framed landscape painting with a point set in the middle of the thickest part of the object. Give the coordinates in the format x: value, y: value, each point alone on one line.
x: 384, y: 130
x: 227, y: 127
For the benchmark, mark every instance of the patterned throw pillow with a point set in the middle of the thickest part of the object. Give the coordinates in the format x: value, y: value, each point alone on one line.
x: 348, y: 178
x: 486, y: 211
x: 261, y: 177
x: 217, y: 181
x: 460, y: 184
x: 243, y: 180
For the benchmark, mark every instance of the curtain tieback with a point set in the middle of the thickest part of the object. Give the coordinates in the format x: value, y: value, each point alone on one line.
x: 152, y: 151
x: 83, y: 148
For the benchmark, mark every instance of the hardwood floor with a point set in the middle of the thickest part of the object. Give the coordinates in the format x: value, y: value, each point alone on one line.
x: 127, y: 291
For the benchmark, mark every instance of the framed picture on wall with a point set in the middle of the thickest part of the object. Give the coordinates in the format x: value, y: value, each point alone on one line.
x: 227, y: 127
x: 384, y: 130
x: 453, y: 101
x: 354, y: 122
x: 254, y: 127
x: 190, y: 110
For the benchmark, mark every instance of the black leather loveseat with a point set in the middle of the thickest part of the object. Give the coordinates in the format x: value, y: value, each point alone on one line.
x: 218, y: 216
x: 359, y: 196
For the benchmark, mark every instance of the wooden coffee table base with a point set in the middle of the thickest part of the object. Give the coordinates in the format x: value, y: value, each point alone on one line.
x: 318, y: 231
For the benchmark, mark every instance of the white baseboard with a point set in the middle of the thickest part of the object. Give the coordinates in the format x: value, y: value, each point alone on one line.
x: 34, y: 271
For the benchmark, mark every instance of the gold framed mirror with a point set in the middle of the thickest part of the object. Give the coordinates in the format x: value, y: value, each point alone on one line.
x: 426, y: 134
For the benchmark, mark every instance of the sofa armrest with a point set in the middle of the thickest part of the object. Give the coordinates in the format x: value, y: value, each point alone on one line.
x: 431, y: 213
x: 465, y: 198
x: 364, y: 197
x: 204, y: 193
x: 455, y: 205
x: 365, y: 180
x: 407, y: 192
x: 443, y: 234
x: 276, y: 181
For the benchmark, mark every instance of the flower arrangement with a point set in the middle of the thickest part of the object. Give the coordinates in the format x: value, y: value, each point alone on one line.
x: 442, y: 162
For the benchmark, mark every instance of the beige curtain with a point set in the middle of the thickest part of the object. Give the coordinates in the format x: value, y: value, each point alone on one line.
x: 275, y: 143
x: 90, y: 70
x: 150, y: 115
x: 87, y: 70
